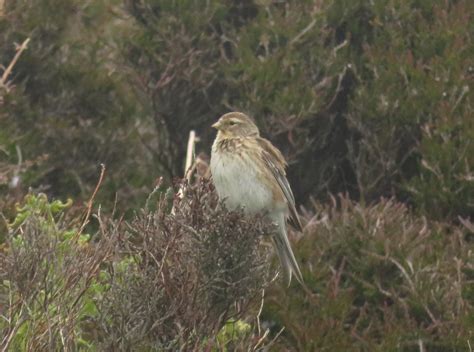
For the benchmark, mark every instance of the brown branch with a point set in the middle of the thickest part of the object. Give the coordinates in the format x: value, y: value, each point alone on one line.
x: 91, y: 201
x: 8, y: 70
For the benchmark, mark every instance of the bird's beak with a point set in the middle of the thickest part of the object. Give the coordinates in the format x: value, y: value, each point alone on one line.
x: 216, y: 125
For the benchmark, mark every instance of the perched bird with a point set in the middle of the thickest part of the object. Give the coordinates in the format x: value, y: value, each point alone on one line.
x: 249, y: 172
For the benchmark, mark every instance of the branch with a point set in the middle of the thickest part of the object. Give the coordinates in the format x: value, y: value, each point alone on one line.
x: 91, y: 201
x: 8, y: 70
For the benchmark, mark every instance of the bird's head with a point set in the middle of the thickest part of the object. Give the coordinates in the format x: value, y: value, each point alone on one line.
x: 236, y: 124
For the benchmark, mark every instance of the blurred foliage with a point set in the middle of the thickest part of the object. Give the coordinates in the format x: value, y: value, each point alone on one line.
x: 373, y: 99
x: 68, y: 106
x: 413, y: 111
x: 382, y: 280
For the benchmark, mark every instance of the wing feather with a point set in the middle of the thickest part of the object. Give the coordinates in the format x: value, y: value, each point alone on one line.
x: 276, y: 163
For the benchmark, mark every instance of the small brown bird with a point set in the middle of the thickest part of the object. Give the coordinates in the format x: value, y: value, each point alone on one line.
x: 249, y: 172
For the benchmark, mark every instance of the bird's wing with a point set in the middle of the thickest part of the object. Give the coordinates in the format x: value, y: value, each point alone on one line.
x: 276, y: 163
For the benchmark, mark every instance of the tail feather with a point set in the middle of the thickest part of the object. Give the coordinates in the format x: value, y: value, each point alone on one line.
x: 286, y: 256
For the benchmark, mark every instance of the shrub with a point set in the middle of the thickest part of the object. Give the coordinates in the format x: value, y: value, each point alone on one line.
x: 183, y: 275
x: 188, y: 275
x: 47, y: 274
x: 372, y: 99
x: 362, y: 98
x: 411, y: 110
x: 68, y: 103
x: 381, y: 279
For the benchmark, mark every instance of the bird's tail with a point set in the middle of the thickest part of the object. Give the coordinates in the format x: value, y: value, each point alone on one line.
x: 286, y: 256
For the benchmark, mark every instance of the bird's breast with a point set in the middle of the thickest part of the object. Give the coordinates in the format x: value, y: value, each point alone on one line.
x: 237, y: 181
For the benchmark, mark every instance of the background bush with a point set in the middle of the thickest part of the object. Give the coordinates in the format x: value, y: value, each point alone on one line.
x: 382, y: 280
x: 372, y: 100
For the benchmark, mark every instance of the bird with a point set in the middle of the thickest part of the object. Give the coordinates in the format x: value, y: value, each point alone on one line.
x: 248, y: 172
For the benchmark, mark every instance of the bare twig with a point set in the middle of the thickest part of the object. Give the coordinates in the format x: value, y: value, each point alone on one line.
x: 276, y: 337
x: 260, y: 312
x: 19, y: 50
x: 303, y: 32
x: 261, y: 339
x: 8, y: 339
x: 190, y: 153
x: 91, y: 201
x: 189, y: 166
x: 420, y: 345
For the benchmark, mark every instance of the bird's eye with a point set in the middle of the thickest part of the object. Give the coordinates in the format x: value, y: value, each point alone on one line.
x: 232, y: 123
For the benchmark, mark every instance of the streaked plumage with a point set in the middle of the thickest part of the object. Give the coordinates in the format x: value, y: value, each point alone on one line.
x: 249, y: 172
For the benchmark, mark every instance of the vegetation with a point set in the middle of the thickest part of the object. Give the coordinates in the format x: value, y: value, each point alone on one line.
x: 165, y: 281
x: 370, y: 102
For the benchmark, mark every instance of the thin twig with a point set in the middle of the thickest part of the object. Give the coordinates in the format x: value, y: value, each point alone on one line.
x: 8, y: 70
x: 420, y: 345
x: 91, y: 201
x: 189, y: 166
x: 12, y: 333
x: 261, y: 339
x: 260, y: 311
x: 303, y: 32
x: 190, y: 154
x: 276, y: 337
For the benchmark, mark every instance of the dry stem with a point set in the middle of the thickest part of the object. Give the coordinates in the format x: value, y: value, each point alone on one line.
x: 19, y: 50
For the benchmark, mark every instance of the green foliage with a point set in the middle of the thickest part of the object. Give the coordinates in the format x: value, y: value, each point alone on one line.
x: 381, y: 279
x: 68, y: 105
x: 39, y: 206
x: 232, y: 332
x: 47, y: 279
x: 412, y: 110
x: 370, y: 98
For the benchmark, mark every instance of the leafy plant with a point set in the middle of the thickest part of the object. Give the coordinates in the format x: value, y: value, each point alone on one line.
x: 48, y: 272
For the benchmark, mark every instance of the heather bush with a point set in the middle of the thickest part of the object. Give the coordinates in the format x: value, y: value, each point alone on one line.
x: 68, y: 105
x: 411, y: 111
x: 186, y: 276
x: 382, y: 280
x: 174, y: 57
x: 183, y: 275
x: 372, y: 99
